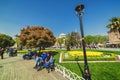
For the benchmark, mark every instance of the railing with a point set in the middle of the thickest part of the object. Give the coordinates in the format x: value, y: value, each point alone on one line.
x: 67, y: 73
x: 109, y: 49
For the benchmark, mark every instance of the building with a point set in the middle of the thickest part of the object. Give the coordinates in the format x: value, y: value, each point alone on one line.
x: 62, y: 35
x: 114, y: 38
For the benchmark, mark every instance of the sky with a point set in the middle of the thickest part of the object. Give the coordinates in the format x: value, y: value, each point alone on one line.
x: 57, y: 15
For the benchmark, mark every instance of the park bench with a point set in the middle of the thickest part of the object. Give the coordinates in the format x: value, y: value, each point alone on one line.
x: 13, y: 54
x: 49, y: 68
x: 29, y: 56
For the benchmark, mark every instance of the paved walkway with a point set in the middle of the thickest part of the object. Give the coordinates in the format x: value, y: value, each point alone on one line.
x: 14, y: 68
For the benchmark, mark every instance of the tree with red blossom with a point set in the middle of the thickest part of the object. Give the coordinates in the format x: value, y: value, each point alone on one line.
x: 36, y: 36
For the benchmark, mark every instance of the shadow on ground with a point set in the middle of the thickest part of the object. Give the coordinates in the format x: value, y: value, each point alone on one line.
x: 76, y: 59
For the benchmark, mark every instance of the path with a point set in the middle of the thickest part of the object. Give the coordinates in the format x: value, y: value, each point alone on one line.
x: 14, y: 68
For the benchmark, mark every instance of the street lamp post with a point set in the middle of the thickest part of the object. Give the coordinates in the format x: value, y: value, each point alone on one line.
x: 79, y: 11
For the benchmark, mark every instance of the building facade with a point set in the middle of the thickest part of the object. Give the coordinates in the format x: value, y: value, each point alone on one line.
x: 62, y: 35
x: 114, y: 38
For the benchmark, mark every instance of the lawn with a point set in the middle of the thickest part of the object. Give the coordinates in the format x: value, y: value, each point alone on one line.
x: 99, y: 71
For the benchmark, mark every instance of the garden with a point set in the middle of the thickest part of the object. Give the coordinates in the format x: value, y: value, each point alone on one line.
x: 98, y: 70
x: 108, y: 70
x: 91, y: 56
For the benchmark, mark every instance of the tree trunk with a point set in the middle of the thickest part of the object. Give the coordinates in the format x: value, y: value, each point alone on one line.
x: 68, y: 48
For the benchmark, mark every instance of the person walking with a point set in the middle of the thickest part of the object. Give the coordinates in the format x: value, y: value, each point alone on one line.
x: 2, y: 52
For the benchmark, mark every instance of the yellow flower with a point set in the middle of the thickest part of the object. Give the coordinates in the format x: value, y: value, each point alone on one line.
x: 88, y: 53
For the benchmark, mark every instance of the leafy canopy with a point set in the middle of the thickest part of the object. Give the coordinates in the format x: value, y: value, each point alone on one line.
x: 36, y: 36
x: 6, y: 40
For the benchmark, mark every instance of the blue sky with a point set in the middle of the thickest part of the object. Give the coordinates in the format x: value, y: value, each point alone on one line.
x: 57, y: 15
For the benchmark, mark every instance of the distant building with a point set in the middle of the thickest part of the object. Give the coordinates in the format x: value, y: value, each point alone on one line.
x: 62, y: 35
x: 114, y: 38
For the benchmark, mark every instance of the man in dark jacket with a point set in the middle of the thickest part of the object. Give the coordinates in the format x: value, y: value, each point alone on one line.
x: 2, y: 52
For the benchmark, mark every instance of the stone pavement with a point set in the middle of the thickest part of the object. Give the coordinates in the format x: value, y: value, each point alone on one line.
x: 15, y: 68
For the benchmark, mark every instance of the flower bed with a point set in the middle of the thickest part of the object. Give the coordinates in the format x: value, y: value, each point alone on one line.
x: 88, y: 53
x: 26, y: 51
x: 91, y: 56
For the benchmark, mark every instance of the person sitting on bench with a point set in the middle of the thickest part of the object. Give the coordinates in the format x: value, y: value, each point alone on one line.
x: 40, y: 59
x: 28, y: 55
x: 48, y: 63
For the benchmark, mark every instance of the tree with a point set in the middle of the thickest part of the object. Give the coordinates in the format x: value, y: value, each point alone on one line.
x: 100, y: 39
x: 95, y: 39
x: 60, y: 41
x: 68, y: 42
x: 75, y: 39
x: 114, y: 25
x: 17, y: 41
x: 89, y: 39
x: 72, y: 40
x: 36, y: 36
x: 6, y: 41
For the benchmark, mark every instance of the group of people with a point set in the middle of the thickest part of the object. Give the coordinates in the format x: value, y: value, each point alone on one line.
x: 9, y: 51
x: 30, y: 55
x: 44, y: 60
x: 12, y: 52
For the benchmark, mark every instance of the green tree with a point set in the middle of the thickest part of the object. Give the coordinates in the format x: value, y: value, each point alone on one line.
x: 114, y: 24
x: 89, y: 39
x: 60, y: 41
x: 6, y: 41
x: 75, y: 39
x: 72, y: 40
x: 17, y: 41
x: 36, y: 36
x: 68, y: 42
x: 100, y: 39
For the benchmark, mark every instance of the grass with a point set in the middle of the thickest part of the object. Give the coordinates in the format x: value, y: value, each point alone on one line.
x: 105, y: 71
x: 99, y: 71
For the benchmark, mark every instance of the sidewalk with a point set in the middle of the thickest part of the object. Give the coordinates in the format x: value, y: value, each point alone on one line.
x: 14, y: 68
